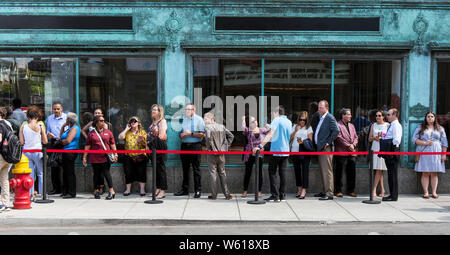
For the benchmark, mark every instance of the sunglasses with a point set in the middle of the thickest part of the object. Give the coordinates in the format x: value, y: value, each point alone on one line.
x: 302, y: 120
x: 132, y: 121
x: 379, y: 115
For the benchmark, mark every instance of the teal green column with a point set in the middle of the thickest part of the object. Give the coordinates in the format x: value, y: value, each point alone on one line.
x: 262, y: 110
x: 332, y: 87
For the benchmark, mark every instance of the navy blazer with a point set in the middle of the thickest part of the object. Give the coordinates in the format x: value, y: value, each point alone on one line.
x: 328, y: 131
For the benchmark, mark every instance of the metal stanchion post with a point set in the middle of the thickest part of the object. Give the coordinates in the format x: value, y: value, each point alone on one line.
x: 153, y: 201
x: 44, y: 199
x: 371, y: 201
x: 256, y: 201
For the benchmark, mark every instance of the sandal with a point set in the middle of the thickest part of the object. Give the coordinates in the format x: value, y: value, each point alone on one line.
x: 435, y: 196
x: 426, y: 196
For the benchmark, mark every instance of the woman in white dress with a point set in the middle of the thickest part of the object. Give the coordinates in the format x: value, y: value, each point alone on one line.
x: 377, y: 131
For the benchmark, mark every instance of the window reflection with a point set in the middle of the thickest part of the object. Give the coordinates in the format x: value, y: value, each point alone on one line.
x: 442, y: 95
x: 364, y: 86
x: 228, y: 77
x: 38, y: 81
x: 121, y: 87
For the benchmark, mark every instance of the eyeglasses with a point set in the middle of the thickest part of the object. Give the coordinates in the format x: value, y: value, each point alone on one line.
x: 189, y: 109
x: 302, y: 120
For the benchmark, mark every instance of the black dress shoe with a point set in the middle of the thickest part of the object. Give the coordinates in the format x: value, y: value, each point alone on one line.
x: 54, y: 192
x: 197, y: 194
x: 97, y: 195
x: 326, y: 197
x: 68, y: 196
x: 319, y: 194
x: 181, y: 193
x: 388, y: 199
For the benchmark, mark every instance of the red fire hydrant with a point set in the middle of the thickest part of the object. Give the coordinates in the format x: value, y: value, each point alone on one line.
x: 21, y: 184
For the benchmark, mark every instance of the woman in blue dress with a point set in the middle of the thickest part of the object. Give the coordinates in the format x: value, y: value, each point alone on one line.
x: 430, y: 137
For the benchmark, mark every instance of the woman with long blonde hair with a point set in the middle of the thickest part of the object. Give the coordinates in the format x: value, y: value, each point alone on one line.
x: 157, y: 139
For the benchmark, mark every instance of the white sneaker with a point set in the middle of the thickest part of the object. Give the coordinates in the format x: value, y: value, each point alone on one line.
x: 2, y: 208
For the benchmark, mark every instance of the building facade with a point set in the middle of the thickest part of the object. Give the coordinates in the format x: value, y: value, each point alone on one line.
x: 124, y: 56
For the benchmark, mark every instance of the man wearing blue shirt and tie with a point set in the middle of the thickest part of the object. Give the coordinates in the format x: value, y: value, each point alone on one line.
x: 192, y: 133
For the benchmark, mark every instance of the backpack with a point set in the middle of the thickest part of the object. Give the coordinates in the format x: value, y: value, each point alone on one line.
x: 11, y: 148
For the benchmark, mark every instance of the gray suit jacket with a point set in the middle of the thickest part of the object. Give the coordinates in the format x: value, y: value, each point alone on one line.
x: 328, y: 131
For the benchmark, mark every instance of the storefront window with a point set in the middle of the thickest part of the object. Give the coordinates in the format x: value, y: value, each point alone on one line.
x: 38, y: 81
x: 229, y: 78
x: 121, y: 87
x: 365, y: 86
x: 442, y: 96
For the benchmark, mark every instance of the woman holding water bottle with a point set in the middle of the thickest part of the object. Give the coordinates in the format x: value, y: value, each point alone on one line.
x: 135, y: 164
x: 377, y: 131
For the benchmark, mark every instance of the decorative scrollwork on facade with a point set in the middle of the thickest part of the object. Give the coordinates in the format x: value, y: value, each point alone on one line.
x: 420, y: 26
x: 173, y: 25
x: 418, y: 111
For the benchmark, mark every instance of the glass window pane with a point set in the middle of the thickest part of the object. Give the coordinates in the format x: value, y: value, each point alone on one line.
x: 364, y: 86
x: 38, y: 81
x: 443, y: 95
x: 229, y: 78
x: 121, y: 87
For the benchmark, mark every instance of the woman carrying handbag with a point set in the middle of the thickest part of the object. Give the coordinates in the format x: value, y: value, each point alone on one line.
x: 101, y: 139
x: 301, y: 141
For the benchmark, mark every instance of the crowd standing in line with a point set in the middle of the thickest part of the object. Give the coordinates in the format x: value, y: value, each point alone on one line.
x: 316, y: 130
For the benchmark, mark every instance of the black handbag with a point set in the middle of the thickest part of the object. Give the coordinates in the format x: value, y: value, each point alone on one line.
x: 307, y: 145
x: 386, y: 145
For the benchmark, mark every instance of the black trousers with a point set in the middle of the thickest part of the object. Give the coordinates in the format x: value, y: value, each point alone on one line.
x: 350, y: 171
x: 101, y: 171
x: 392, y: 169
x: 301, y: 170
x: 191, y: 159
x: 161, y: 175
x: 69, y: 179
x: 135, y: 171
x: 56, y: 178
x: 279, y: 163
x: 248, y: 172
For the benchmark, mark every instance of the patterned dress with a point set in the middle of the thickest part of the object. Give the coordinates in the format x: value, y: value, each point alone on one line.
x: 430, y: 163
x: 378, y: 163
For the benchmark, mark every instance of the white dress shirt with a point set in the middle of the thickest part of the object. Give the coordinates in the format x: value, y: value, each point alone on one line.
x: 395, y: 133
x: 318, y: 126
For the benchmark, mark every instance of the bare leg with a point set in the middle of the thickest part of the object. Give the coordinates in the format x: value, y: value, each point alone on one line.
x: 382, y: 185
x: 425, y: 181
x: 142, y: 185
x: 128, y: 188
x: 375, y: 183
x: 434, y: 183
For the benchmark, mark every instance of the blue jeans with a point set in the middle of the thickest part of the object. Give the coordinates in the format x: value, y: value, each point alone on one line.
x: 37, y: 166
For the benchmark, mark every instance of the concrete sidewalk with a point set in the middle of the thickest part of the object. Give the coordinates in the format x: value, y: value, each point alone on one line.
x: 131, y: 209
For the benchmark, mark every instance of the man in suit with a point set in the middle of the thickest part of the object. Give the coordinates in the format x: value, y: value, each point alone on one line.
x: 218, y: 138
x: 394, y: 134
x: 347, y: 141
x: 325, y: 132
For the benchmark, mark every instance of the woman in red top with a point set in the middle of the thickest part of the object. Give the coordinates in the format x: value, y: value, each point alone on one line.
x: 99, y: 161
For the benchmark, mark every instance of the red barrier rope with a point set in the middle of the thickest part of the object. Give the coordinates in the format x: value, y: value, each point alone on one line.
x: 241, y: 152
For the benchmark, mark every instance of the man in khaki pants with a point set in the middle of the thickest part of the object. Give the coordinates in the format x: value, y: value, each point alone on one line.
x: 4, y: 166
x: 325, y: 132
x: 218, y: 138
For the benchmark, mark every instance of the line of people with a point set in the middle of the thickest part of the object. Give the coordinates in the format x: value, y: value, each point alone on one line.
x: 319, y: 132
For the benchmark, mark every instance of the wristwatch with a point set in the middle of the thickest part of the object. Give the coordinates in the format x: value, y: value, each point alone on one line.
x: 260, y: 146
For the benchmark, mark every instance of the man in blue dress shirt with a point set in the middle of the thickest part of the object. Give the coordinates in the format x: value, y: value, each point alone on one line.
x: 54, y: 123
x: 192, y: 134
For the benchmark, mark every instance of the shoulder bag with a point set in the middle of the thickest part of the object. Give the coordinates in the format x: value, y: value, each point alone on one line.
x: 111, y: 156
